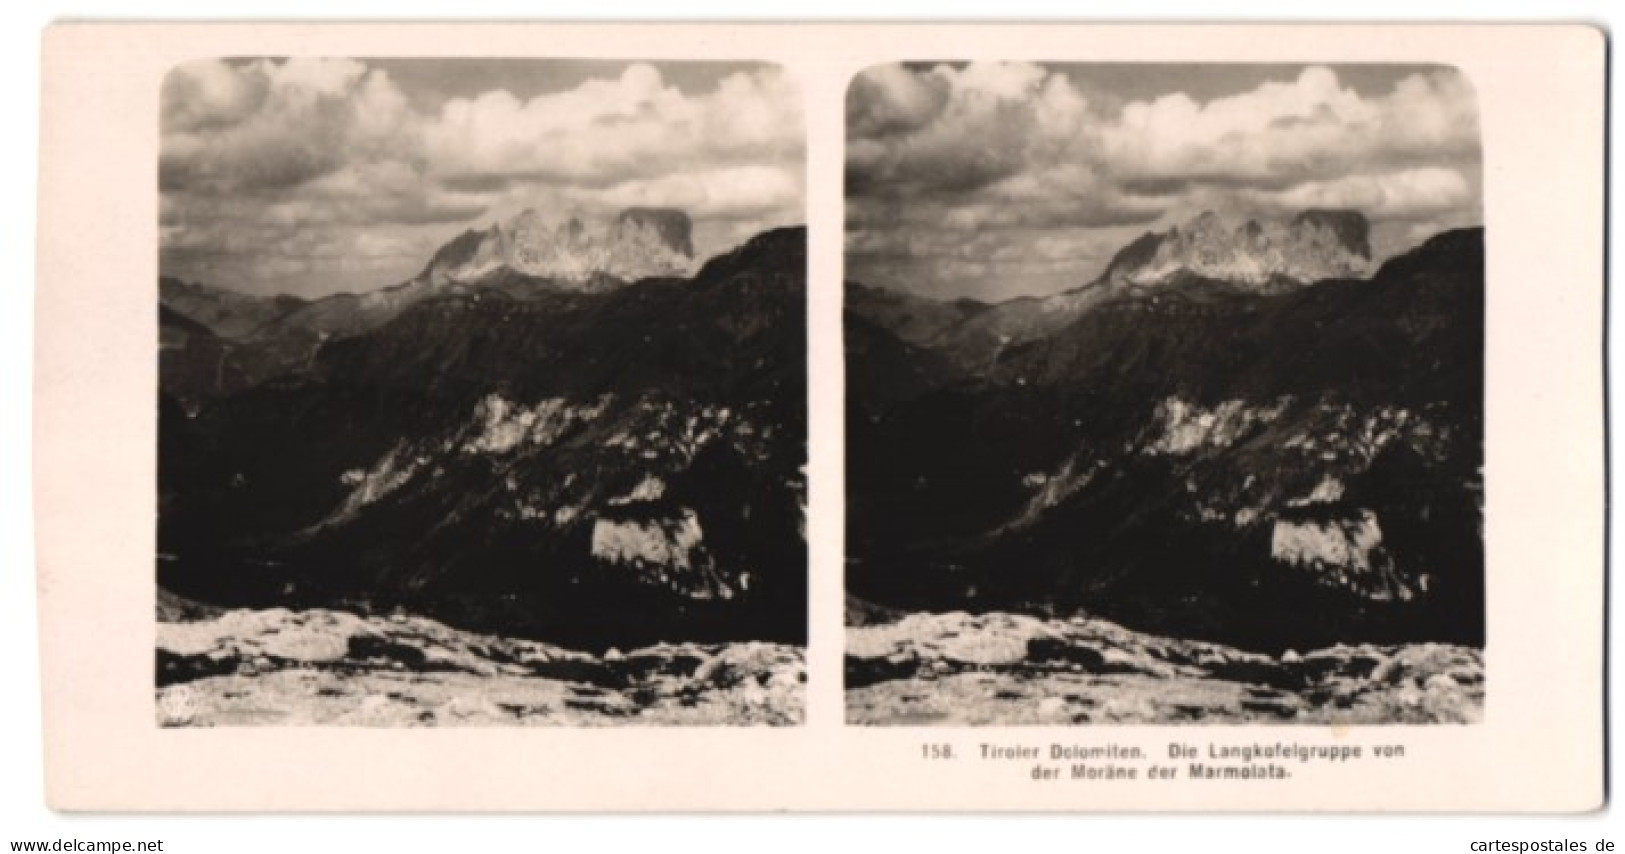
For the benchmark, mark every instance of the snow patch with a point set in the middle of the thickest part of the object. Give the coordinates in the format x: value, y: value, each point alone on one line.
x: 1052, y: 489
x: 389, y: 474
x: 1186, y: 427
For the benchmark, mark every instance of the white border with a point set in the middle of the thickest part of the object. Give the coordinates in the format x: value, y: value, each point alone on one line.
x: 1552, y: 245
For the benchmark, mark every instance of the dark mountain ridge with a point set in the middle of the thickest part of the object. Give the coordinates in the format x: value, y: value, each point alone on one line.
x: 596, y: 466
x: 1268, y: 468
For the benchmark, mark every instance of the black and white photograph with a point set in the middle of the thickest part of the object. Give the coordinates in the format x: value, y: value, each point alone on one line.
x: 1165, y: 394
x: 482, y: 393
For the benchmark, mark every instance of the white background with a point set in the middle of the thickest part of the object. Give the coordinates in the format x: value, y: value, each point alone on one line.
x: 22, y: 811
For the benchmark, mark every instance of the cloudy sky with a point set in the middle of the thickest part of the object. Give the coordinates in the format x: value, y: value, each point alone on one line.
x: 998, y: 180
x: 310, y: 176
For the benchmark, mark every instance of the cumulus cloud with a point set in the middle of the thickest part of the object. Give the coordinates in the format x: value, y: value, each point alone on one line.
x: 257, y: 156
x: 1029, y: 162
x: 1402, y: 195
x: 607, y: 132
x: 980, y: 124
x: 1282, y: 134
x: 271, y: 125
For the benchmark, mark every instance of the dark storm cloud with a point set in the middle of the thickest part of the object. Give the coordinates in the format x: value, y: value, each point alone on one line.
x: 889, y: 99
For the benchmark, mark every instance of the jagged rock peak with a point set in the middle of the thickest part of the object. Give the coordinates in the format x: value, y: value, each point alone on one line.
x: 670, y: 224
x: 637, y: 243
x: 1312, y: 245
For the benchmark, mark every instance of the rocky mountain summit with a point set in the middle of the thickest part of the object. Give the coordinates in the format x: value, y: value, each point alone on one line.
x: 1273, y: 254
x: 638, y: 243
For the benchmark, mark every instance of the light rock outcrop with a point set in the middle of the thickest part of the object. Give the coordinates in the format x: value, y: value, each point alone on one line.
x: 500, y: 426
x: 669, y: 542
x: 1184, y: 427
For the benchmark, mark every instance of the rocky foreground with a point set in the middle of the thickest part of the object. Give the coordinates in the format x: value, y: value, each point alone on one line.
x: 323, y: 667
x: 998, y: 669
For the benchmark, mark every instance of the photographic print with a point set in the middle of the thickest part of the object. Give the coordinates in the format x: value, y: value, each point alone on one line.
x: 751, y: 418
x: 1165, y: 394
x: 482, y: 393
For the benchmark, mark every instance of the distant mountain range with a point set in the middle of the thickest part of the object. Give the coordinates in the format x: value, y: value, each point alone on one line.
x: 1232, y: 434
x: 572, y: 432
x: 1205, y: 255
